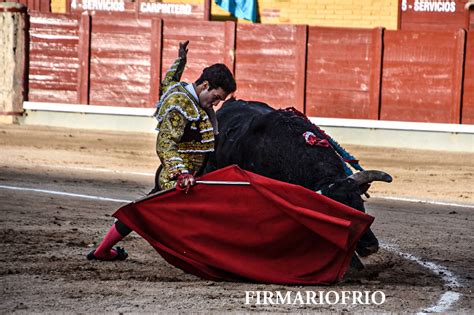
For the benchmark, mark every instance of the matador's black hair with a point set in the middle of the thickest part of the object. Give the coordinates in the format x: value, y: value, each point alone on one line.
x: 218, y: 76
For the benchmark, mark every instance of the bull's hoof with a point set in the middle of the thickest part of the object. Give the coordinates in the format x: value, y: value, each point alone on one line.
x: 355, y: 269
x: 364, y: 251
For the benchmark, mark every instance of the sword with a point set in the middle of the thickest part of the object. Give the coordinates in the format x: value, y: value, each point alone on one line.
x: 204, y: 182
x: 220, y: 182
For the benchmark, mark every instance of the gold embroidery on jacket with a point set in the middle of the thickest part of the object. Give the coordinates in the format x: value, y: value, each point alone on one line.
x: 175, y: 110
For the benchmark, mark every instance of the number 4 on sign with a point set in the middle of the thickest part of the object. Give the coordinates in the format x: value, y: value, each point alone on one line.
x: 73, y: 4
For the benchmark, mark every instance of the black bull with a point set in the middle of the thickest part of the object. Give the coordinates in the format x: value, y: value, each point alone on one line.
x: 270, y: 142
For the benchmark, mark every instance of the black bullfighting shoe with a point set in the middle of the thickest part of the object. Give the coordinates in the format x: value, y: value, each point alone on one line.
x: 121, y: 255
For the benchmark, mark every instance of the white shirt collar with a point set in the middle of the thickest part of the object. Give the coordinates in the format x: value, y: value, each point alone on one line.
x: 190, y: 89
x: 210, y: 112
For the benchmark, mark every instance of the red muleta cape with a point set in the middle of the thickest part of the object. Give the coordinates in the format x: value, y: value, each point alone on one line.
x: 269, y: 231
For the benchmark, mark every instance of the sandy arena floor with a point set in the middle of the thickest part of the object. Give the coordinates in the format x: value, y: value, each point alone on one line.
x: 45, y: 237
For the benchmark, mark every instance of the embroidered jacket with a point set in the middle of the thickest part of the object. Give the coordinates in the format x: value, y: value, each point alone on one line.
x: 185, y: 131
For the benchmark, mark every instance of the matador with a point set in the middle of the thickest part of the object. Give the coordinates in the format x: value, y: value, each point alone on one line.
x: 186, y: 128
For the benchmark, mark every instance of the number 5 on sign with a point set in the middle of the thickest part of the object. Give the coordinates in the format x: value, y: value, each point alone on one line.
x: 404, y: 5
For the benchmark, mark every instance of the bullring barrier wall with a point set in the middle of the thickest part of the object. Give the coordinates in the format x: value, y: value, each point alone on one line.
x: 324, y: 72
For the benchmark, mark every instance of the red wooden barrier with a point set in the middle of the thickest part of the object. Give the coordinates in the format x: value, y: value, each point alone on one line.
x: 470, y: 17
x: 83, y: 83
x: 155, y: 60
x: 53, y: 59
x: 120, y: 62
x: 210, y: 42
x: 468, y: 97
x: 343, y: 76
x: 270, y: 64
x: 327, y: 72
x: 422, y: 76
x: 34, y: 5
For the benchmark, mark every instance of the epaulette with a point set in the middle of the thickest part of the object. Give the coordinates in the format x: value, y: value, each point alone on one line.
x: 176, y: 98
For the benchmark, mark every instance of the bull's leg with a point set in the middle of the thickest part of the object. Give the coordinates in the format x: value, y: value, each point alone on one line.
x: 346, y: 191
x: 368, y: 244
x: 356, y: 264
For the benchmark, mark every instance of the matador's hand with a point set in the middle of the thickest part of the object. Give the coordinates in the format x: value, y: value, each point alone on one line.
x: 185, y: 181
x: 183, y: 49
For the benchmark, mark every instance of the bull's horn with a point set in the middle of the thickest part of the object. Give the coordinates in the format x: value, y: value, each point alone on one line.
x: 365, y: 177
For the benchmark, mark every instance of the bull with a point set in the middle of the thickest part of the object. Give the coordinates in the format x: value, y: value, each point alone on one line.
x: 274, y: 143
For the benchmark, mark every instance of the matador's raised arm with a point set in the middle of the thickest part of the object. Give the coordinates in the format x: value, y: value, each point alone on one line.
x: 174, y: 73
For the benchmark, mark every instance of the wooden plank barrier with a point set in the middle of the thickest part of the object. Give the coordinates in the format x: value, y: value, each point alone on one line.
x: 270, y: 64
x: 468, y: 89
x: 120, y: 61
x: 34, y: 5
x: 53, y: 58
x: 210, y: 43
x: 343, y: 74
x: 422, y: 76
x: 325, y: 72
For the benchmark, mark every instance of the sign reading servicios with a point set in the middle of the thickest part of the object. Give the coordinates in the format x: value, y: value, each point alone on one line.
x: 445, y: 15
x: 99, y: 5
x: 429, y: 6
